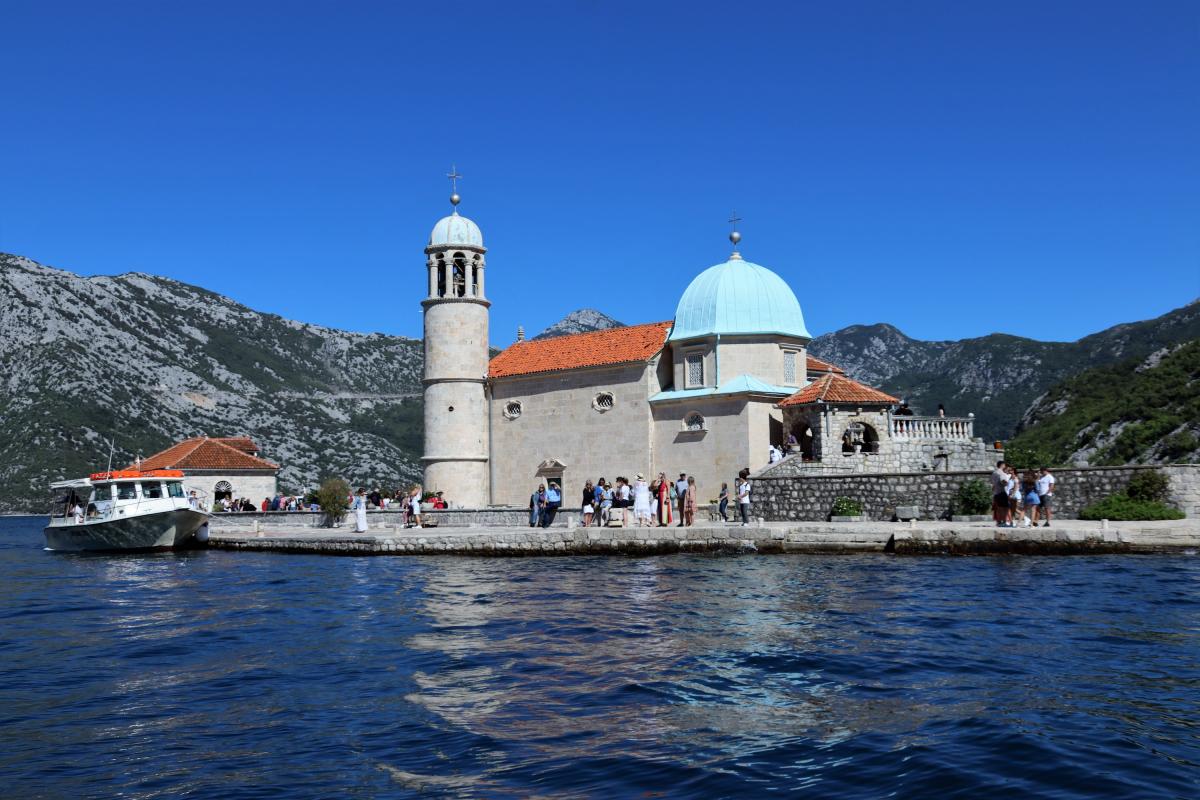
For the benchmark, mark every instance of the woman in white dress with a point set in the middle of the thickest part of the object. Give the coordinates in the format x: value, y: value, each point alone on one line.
x: 641, y: 501
x: 360, y: 510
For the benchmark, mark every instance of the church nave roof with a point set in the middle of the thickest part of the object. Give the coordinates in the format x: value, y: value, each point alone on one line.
x: 612, y: 346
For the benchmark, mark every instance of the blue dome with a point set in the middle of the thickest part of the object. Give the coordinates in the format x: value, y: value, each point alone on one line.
x: 738, y: 297
x: 456, y: 230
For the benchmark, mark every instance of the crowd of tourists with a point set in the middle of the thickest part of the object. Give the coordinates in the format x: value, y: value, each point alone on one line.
x: 1019, y: 501
x: 645, y: 504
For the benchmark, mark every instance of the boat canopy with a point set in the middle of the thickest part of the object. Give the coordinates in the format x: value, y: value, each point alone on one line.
x: 135, y: 474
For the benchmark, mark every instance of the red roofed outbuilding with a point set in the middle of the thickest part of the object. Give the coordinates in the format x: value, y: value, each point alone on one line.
x: 219, y: 467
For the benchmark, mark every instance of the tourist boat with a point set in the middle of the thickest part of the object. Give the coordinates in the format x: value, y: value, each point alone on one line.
x: 125, y: 510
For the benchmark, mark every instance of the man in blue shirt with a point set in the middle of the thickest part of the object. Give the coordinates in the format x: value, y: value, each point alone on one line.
x: 553, y: 501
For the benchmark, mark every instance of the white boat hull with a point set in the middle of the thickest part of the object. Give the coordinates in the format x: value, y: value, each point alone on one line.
x: 160, y: 530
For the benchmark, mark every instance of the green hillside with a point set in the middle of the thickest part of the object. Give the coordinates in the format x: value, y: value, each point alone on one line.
x: 1142, y: 410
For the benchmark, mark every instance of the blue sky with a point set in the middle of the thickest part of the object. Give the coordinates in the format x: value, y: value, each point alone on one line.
x: 952, y: 168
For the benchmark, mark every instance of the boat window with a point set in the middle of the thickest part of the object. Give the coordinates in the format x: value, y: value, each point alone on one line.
x: 103, y: 493
x: 174, y: 489
x: 152, y: 491
x: 126, y: 491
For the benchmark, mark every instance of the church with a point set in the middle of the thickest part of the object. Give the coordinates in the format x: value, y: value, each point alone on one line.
x: 705, y: 393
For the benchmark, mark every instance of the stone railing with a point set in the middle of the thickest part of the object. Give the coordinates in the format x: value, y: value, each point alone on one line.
x: 932, y: 427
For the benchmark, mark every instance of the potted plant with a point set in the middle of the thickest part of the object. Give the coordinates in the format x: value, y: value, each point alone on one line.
x: 846, y: 509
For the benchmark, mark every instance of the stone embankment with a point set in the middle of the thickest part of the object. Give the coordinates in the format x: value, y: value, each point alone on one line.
x: 1067, y: 537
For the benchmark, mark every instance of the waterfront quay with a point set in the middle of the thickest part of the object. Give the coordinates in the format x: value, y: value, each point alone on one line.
x: 924, y: 537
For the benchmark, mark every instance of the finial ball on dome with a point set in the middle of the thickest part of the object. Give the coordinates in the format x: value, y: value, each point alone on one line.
x: 735, y: 237
x: 455, y: 199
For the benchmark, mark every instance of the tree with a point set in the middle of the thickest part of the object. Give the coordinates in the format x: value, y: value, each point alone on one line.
x: 334, y: 497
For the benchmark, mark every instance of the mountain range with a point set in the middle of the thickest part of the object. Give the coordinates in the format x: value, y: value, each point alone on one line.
x: 147, y: 361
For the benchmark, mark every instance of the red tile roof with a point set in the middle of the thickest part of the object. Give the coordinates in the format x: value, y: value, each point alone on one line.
x: 204, y: 453
x: 817, y: 365
x: 243, y: 443
x: 834, y: 388
x: 593, y: 349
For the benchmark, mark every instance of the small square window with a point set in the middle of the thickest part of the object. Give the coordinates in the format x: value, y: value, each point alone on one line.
x: 694, y: 368
x: 789, y: 367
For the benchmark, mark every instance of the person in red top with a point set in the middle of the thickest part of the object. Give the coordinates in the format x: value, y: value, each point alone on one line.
x: 266, y: 504
x: 439, y: 501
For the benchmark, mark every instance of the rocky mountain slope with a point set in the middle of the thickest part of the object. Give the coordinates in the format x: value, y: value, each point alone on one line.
x: 1141, y: 410
x: 581, y: 321
x: 997, y: 376
x: 148, y: 360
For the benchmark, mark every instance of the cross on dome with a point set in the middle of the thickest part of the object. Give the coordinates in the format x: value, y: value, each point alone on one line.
x: 454, y: 175
x: 734, y: 236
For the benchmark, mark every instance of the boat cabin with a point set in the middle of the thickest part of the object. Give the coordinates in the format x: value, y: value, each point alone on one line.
x: 103, y: 494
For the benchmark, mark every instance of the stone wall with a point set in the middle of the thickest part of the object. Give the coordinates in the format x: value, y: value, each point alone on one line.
x: 387, y: 520
x: 810, y: 497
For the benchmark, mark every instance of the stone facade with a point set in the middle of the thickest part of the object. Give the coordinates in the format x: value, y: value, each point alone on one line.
x: 456, y: 363
x: 559, y: 421
x: 760, y: 356
x: 807, y: 497
x: 889, y: 443
x: 253, y: 485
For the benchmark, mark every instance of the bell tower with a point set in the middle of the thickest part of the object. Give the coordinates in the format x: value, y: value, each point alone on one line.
x: 456, y: 360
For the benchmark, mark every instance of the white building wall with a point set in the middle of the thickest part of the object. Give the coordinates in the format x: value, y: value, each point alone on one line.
x: 253, y: 487
x: 558, y: 421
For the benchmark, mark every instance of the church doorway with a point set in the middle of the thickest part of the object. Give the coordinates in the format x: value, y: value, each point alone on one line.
x: 551, y: 469
x: 222, y: 491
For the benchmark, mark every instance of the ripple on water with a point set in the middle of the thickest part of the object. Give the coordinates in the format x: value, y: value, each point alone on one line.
x: 216, y: 674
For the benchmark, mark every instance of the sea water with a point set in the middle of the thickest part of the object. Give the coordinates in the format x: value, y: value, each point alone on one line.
x: 216, y: 674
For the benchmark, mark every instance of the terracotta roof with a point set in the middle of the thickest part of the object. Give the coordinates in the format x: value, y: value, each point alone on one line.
x: 204, y: 453
x: 817, y: 365
x: 834, y: 388
x: 592, y: 349
x: 243, y: 443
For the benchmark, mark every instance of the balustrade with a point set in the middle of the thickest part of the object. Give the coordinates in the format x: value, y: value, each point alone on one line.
x: 932, y: 427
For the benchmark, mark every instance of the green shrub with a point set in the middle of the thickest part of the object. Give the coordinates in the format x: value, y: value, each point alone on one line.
x: 1150, y: 486
x: 1024, y: 457
x: 973, y: 497
x: 333, y: 497
x: 1122, y: 507
x: 845, y: 507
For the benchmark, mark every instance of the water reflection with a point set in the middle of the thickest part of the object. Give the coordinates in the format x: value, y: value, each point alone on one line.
x: 682, y: 676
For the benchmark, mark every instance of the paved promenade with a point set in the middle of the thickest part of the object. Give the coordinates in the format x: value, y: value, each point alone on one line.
x: 1066, y: 537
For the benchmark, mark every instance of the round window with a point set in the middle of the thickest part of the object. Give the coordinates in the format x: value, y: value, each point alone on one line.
x: 512, y: 409
x: 603, y: 401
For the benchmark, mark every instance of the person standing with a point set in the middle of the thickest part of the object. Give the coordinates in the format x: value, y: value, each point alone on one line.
x: 537, y: 501
x: 681, y: 486
x: 1000, y: 494
x: 597, y: 500
x: 587, y: 509
x: 1029, y: 493
x: 641, y: 501
x: 723, y: 502
x: 553, y: 501
x: 689, y: 504
x: 743, y: 493
x: 360, y: 510
x: 1045, y: 490
x: 663, y: 496
x: 414, y: 506
x: 1013, y: 486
